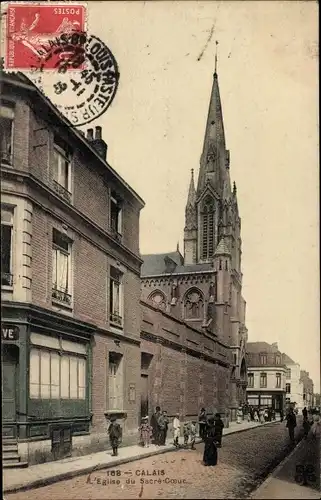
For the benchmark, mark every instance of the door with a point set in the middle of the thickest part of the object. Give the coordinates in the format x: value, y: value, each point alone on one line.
x: 9, y: 390
x: 144, y: 396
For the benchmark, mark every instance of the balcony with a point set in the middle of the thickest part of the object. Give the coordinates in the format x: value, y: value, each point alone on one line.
x: 116, y: 319
x: 6, y: 279
x: 62, y: 191
x: 61, y: 296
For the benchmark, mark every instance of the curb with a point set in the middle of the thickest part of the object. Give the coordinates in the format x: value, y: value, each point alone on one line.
x: 38, y: 483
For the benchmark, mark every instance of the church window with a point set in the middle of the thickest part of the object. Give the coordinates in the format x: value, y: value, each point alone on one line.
x: 208, y: 229
x: 158, y: 299
x: 193, y: 304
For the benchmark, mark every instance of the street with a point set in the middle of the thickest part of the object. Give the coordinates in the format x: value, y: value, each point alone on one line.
x: 244, y: 461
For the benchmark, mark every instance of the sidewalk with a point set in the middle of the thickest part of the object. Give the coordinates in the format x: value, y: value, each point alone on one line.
x: 52, y: 472
x: 281, y: 483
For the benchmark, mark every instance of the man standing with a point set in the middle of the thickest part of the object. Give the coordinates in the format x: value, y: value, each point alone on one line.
x: 305, y: 413
x: 164, y: 431
x: 176, y: 429
x: 291, y: 423
x: 155, y: 426
x: 202, y: 422
x: 161, y: 422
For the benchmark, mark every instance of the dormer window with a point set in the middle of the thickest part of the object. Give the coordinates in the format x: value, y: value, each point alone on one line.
x: 263, y: 359
x: 115, y: 214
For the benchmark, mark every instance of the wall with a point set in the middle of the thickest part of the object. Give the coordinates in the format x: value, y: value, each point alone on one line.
x: 271, y: 378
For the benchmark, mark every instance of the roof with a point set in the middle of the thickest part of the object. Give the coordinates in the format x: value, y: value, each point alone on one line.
x: 155, y: 265
x: 287, y: 360
x: 257, y: 347
x: 20, y: 79
x: 222, y: 248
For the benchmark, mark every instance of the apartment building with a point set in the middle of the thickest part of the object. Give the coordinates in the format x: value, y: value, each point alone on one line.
x: 70, y: 282
x: 293, y: 384
x: 308, y: 389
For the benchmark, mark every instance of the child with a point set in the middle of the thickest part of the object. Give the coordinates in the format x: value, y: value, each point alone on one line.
x: 176, y: 429
x: 146, y: 432
x: 186, y: 433
x: 193, y: 434
x: 115, y: 434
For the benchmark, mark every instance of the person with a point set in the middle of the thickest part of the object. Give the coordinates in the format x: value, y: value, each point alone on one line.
x: 266, y: 415
x: 210, y: 450
x: 154, y: 424
x: 249, y: 416
x: 193, y: 434
x: 161, y: 422
x: 146, y: 432
x: 305, y: 413
x: 176, y: 429
x: 262, y: 419
x: 291, y: 423
x: 281, y: 415
x: 115, y: 435
x: 306, y: 427
x: 239, y: 415
x: 256, y: 416
x: 165, y: 430
x: 202, y: 423
x: 186, y: 433
x: 218, y: 426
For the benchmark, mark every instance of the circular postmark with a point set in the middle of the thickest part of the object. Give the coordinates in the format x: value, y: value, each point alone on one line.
x: 82, y: 95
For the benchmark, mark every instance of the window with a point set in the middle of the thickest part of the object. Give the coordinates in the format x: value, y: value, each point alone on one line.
x: 6, y: 134
x: 266, y: 401
x: 278, y: 380
x: 115, y: 214
x: 207, y: 217
x: 263, y: 359
x: 193, y: 304
x: 277, y: 360
x: 158, y: 299
x: 61, y: 268
x: 115, y: 296
x: 288, y: 373
x: 6, y: 246
x: 54, y: 372
x: 288, y: 388
x: 115, y: 381
x: 62, y: 170
x: 263, y: 380
x: 250, y: 380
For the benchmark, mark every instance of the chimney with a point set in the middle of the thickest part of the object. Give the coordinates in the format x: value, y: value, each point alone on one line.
x: 275, y: 345
x: 90, y: 134
x: 98, y: 143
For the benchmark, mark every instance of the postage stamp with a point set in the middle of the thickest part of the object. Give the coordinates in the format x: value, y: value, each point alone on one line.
x: 45, y: 36
x: 83, y: 96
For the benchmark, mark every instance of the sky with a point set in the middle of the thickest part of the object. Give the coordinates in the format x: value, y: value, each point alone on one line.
x: 268, y: 78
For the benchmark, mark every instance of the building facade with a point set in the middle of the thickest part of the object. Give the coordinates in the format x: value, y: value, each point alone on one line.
x: 70, y: 282
x: 293, y: 384
x: 204, y: 287
x: 308, y: 389
x: 266, y: 376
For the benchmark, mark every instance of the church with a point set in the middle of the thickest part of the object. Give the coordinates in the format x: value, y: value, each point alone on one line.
x: 203, y: 287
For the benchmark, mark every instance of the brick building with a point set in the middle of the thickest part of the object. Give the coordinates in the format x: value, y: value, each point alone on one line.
x: 308, y: 389
x: 70, y: 282
x: 266, y: 376
x: 204, y: 287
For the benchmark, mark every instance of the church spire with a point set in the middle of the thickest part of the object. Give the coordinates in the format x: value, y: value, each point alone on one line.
x: 213, y: 155
x: 191, y: 192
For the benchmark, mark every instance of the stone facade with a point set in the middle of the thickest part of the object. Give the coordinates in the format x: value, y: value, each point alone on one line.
x: 204, y: 287
x: 64, y: 258
x: 308, y: 388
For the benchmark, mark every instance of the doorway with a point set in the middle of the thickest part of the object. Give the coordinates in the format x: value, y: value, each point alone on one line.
x: 144, y: 396
x: 9, y: 382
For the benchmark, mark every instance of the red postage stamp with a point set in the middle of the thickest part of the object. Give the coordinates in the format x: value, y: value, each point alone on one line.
x: 45, y: 36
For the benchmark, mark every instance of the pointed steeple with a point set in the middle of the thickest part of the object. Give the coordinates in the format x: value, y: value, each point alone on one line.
x: 213, y: 155
x: 191, y: 192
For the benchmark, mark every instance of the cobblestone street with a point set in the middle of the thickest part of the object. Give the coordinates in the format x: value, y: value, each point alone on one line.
x: 244, y: 460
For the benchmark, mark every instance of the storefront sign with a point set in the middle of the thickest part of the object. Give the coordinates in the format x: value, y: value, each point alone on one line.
x: 9, y: 332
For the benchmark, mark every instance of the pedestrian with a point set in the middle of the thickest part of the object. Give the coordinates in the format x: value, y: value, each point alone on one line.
x: 291, y: 423
x: 262, y: 419
x: 249, y: 416
x: 256, y: 416
x: 186, y: 433
x: 281, y: 415
x: 193, y: 434
x: 306, y: 427
x: 162, y: 421
x: 210, y: 450
x: 218, y: 426
x: 239, y: 415
x: 165, y: 430
x: 273, y: 414
x: 266, y: 415
x: 202, y: 422
x: 305, y: 413
x: 154, y: 424
x: 146, y: 432
x: 115, y: 435
x: 176, y: 429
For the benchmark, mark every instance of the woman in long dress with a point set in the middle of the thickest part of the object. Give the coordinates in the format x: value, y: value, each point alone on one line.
x: 210, y: 450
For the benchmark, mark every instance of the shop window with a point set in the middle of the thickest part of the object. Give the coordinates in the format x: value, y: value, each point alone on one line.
x: 263, y: 380
x: 6, y: 246
x: 6, y: 134
x: 61, y: 268
x: 250, y: 380
x: 62, y: 170
x: 278, y: 380
x: 115, y: 381
x: 116, y: 297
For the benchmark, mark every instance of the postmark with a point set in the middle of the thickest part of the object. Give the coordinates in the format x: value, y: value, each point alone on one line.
x: 45, y: 36
x: 84, y: 95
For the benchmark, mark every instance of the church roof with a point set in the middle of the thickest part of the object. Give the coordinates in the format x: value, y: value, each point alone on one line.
x: 155, y: 265
x: 222, y: 248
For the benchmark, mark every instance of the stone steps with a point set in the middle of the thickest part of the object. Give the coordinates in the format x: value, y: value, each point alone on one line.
x: 10, y: 455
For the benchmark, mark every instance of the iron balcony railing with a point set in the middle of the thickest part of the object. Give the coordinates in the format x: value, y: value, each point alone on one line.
x: 61, y: 296
x: 116, y: 319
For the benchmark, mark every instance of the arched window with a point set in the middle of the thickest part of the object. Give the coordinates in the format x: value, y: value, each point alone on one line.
x: 158, y: 299
x: 207, y: 217
x: 193, y: 304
